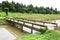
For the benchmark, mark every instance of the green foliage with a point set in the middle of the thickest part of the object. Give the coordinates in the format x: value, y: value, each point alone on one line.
x: 6, y: 10
x: 42, y: 30
x: 2, y: 20
x: 17, y: 7
x: 49, y: 35
x: 58, y: 28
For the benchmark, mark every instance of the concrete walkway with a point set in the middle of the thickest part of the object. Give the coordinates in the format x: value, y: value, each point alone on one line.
x: 5, y: 35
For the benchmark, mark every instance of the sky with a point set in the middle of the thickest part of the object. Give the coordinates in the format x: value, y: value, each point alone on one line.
x: 45, y: 3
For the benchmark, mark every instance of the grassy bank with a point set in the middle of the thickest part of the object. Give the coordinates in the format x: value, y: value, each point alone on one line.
x: 2, y: 20
x: 31, y: 16
x: 49, y: 35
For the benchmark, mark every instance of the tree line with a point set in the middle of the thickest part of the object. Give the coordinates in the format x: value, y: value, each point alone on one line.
x: 19, y: 7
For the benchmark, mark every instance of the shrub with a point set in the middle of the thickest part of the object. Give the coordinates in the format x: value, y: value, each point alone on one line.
x: 42, y: 30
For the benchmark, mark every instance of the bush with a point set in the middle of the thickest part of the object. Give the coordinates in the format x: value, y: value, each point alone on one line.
x: 43, y: 30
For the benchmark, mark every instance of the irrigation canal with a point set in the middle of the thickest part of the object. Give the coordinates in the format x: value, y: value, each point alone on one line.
x: 14, y: 32
x: 8, y: 32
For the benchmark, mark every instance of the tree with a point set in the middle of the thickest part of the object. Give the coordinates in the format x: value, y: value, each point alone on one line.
x: 12, y: 6
x: 42, y: 10
x: 30, y: 8
x: 0, y: 7
x: 55, y: 11
x: 6, y: 10
x: 19, y: 7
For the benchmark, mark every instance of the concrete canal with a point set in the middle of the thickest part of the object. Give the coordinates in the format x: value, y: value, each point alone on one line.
x: 12, y: 32
x: 9, y: 33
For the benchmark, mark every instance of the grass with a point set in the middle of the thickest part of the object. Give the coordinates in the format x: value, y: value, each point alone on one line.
x: 58, y: 28
x: 31, y: 16
x: 2, y: 20
x: 48, y: 35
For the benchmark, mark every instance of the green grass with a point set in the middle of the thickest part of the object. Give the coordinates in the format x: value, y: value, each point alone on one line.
x: 2, y: 20
x: 58, y: 28
x: 31, y: 16
x: 49, y: 35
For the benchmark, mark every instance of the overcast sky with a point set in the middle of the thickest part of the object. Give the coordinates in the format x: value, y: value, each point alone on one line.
x: 45, y: 3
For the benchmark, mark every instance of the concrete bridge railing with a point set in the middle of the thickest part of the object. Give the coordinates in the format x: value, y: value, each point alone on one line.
x: 25, y: 25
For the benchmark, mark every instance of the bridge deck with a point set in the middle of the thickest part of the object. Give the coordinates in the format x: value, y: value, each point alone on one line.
x: 31, y: 24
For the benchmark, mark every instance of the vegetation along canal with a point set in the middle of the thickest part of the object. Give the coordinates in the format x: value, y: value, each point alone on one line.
x: 17, y: 32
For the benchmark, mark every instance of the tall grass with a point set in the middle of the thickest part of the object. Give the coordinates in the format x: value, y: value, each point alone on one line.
x: 2, y: 20
x: 49, y: 35
x: 31, y: 16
